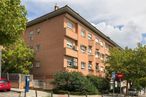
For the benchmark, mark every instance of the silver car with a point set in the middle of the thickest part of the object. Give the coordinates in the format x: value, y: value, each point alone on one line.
x: 132, y: 92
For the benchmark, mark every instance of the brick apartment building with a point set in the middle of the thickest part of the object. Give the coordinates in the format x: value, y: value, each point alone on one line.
x: 65, y: 41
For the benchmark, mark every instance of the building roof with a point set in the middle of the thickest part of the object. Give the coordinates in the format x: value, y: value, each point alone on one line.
x: 67, y: 9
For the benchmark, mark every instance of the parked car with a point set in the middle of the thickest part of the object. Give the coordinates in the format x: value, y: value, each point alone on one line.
x: 132, y: 92
x: 5, y: 85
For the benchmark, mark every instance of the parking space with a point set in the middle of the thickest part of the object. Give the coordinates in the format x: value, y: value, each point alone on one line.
x: 9, y: 94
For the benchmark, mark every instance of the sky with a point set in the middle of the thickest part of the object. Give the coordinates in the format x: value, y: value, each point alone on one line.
x: 124, y: 21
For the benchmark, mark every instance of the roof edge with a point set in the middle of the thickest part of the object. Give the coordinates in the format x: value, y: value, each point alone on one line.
x: 70, y: 11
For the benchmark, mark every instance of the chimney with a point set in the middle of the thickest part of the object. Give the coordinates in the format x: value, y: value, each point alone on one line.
x: 56, y: 7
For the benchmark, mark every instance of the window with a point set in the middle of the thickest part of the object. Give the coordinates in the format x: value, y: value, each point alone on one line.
x: 83, y: 33
x: 102, y: 43
x: 70, y: 24
x: 72, y: 62
x: 102, y: 57
x: 89, y: 36
x: 37, y: 47
x: 69, y: 44
x: 89, y: 65
x: 101, y: 69
x: 37, y: 64
x: 89, y: 50
x: 97, y: 54
x: 97, y: 67
x: 83, y: 65
x: 106, y: 58
x: 31, y: 35
x: 107, y: 46
x: 83, y: 48
x: 38, y: 30
x: 97, y: 40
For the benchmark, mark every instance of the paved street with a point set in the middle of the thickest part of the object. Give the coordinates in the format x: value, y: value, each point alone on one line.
x: 15, y: 94
x: 9, y: 94
x: 122, y: 96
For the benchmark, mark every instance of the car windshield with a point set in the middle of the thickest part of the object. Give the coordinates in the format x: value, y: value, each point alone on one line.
x: 3, y: 81
x: 132, y: 89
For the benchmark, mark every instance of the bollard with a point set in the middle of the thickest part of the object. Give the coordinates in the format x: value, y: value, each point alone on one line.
x: 86, y: 94
x: 19, y: 94
x: 68, y: 94
x: 51, y: 93
x: 25, y: 94
x: 36, y: 94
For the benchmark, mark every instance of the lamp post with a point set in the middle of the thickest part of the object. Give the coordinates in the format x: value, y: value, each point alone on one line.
x: 1, y: 47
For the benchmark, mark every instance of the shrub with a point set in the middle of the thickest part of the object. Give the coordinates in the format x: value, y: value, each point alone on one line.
x: 73, y: 82
x: 101, y: 84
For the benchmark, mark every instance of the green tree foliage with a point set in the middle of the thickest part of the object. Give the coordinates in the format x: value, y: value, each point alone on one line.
x: 130, y: 62
x: 17, y: 58
x: 73, y: 82
x: 101, y: 84
x: 12, y: 21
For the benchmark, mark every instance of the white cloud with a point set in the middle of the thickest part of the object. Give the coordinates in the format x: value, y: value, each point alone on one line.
x: 128, y: 35
x: 106, y: 15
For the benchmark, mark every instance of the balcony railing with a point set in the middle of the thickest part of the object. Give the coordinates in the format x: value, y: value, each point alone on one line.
x: 91, y: 57
x: 97, y: 46
x: 90, y: 42
x: 71, y: 52
x: 73, y: 66
x: 71, y: 34
x: 98, y: 60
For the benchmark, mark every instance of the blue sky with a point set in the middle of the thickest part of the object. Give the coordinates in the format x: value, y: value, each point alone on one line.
x: 122, y: 20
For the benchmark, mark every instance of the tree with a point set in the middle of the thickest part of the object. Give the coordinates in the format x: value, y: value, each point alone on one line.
x: 12, y: 21
x: 130, y: 62
x: 17, y: 58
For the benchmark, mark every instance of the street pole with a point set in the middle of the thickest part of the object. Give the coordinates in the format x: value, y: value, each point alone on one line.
x: 120, y: 88
x: 113, y: 87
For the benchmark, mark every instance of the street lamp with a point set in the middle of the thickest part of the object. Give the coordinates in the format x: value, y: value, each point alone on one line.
x: 1, y: 47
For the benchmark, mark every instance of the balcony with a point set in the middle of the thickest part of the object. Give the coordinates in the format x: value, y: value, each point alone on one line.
x: 97, y: 46
x: 71, y: 34
x: 90, y: 71
x: 91, y: 42
x: 97, y: 60
x: 91, y: 57
x: 68, y: 69
x: 71, y: 52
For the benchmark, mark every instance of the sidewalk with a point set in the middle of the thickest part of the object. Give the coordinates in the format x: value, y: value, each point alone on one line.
x: 31, y: 93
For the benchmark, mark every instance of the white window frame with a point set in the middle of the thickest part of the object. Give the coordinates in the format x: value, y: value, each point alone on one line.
x: 97, y: 54
x: 97, y: 66
x: 89, y: 36
x: 97, y: 40
x: 89, y: 50
x: 102, y: 43
x: 73, y: 62
x: 89, y: 65
x: 69, y: 44
x: 38, y: 30
x: 31, y: 33
x: 37, y: 64
x: 83, y: 48
x: 83, y: 33
x: 83, y: 64
x: 102, y: 56
x: 38, y: 47
x: 70, y: 25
